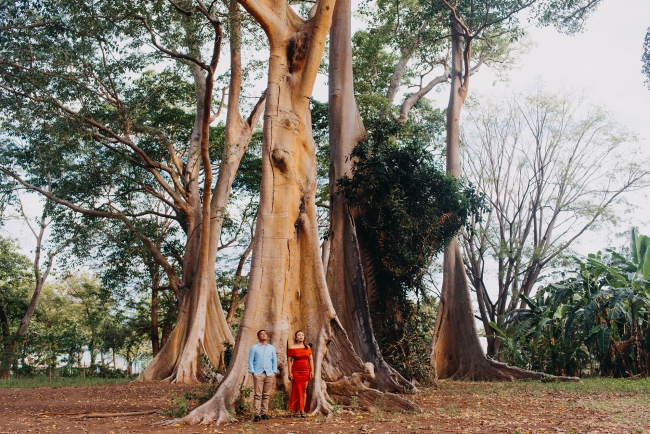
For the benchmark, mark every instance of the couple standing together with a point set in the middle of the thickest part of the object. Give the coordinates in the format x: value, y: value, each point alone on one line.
x: 263, y: 364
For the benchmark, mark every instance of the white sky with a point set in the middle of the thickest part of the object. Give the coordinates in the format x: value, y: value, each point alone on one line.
x: 605, y: 63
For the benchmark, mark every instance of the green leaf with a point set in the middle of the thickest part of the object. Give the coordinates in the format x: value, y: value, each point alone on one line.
x: 635, y: 255
x: 646, y: 265
x: 603, y: 335
x: 529, y: 301
x: 642, y: 245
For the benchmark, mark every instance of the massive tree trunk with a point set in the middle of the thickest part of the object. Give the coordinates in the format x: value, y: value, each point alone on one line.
x: 346, y: 275
x: 456, y: 351
x: 287, y: 289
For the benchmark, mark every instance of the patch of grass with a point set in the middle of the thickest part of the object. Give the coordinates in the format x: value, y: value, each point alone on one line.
x: 354, y: 403
x: 242, y: 407
x: 30, y: 383
x: 179, y: 407
x: 630, y: 408
x: 587, y: 386
x: 278, y: 401
x: 452, y: 410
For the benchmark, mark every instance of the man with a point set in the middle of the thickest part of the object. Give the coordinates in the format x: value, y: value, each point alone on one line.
x: 263, y: 364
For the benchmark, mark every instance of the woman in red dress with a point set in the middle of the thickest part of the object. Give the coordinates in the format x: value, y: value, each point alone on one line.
x: 301, y: 370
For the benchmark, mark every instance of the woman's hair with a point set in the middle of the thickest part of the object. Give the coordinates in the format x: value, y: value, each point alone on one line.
x: 295, y: 338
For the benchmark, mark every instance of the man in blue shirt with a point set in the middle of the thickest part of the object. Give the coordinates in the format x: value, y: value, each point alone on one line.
x: 263, y: 364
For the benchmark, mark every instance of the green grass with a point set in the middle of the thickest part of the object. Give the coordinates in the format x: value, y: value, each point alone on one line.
x: 586, y: 386
x: 30, y: 383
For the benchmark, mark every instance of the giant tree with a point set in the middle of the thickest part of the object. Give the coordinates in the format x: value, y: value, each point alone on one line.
x: 346, y: 280
x: 287, y: 288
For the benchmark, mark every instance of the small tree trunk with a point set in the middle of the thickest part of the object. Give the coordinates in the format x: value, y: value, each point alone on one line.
x: 166, y: 332
x: 346, y: 275
x: 234, y: 300
x: 154, y: 319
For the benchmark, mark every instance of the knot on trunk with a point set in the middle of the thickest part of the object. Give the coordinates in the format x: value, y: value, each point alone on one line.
x: 280, y: 159
x: 297, y: 51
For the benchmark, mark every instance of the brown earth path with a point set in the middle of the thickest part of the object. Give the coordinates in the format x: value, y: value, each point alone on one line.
x: 450, y: 408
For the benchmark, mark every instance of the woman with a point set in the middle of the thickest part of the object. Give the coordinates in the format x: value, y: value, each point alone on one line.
x: 301, y: 370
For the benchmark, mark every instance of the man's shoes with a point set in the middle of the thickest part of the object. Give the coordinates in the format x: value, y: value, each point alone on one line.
x: 256, y: 419
x: 265, y: 417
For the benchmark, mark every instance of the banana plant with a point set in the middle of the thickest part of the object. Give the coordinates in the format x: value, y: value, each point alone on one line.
x: 597, y: 319
x: 641, y: 253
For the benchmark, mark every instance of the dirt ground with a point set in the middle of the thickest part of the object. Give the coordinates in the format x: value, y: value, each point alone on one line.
x: 449, y: 408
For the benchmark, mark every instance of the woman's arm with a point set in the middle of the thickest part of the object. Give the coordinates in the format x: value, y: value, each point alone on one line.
x: 289, y: 363
x: 311, y: 366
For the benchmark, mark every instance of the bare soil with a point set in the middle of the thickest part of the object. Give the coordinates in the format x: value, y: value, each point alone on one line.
x: 453, y: 407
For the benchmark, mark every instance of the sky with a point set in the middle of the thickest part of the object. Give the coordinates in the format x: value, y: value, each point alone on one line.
x: 603, y: 62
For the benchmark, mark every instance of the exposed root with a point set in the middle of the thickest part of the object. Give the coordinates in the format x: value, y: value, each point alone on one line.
x: 319, y: 403
x: 213, y: 411
x: 368, y: 399
x: 104, y: 415
x: 350, y: 278
x: 485, y: 369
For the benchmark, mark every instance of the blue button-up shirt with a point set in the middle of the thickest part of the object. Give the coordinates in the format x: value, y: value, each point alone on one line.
x: 262, y: 358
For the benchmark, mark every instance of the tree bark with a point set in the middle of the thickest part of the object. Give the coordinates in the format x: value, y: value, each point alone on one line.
x: 234, y: 301
x: 287, y: 289
x: 346, y: 275
x: 456, y: 352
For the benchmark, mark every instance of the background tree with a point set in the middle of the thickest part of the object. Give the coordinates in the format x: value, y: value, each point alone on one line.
x: 395, y: 51
x: 93, y: 93
x: 410, y: 211
x: 554, y: 167
x: 347, y: 278
x: 456, y: 351
x: 16, y: 279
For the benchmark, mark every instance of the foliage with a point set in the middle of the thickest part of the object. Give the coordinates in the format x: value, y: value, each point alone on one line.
x: 16, y: 279
x: 598, y: 319
x: 278, y: 401
x: 408, y: 210
x: 242, y: 405
x: 410, y: 355
x: 76, y: 316
x: 179, y: 406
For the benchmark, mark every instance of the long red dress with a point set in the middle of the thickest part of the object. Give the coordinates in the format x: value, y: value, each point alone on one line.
x: 299, y: 400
